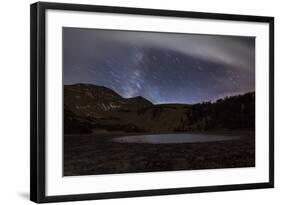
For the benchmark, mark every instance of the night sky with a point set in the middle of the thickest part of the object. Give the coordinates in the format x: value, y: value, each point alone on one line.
x: 162, y: 67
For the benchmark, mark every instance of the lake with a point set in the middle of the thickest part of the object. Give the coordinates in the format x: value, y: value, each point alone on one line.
x: 113, y: 153
x: 175, y: 138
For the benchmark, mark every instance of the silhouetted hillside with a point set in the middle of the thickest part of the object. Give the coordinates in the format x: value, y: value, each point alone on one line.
x: 90, y: 108
x: 235, y: 112
x: 75, y: 124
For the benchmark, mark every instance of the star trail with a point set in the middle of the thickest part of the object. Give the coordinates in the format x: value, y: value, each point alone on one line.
x: 161, y: 67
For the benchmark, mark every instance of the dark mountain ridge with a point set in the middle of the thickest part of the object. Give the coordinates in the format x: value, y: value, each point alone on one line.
x: 91, y: 109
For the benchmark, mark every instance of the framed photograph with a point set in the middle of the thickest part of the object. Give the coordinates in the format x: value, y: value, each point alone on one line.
x: 129, y: 102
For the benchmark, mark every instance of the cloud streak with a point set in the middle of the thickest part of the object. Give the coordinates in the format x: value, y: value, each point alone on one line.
x: 162, y: 67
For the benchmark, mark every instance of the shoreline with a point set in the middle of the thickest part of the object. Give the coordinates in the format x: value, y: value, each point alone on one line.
x: 122, y: 134
x: 97, y: 154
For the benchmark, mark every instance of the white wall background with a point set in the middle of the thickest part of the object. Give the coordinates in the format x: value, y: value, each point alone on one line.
x: 14, y: 100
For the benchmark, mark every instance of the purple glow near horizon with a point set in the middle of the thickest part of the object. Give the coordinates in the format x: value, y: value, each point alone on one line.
x: 162, y: 67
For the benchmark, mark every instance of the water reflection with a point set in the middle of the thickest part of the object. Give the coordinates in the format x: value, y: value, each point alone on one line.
x: 174, y: 138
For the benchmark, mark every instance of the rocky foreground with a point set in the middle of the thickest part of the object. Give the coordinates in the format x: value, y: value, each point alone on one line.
x: 89, y: 155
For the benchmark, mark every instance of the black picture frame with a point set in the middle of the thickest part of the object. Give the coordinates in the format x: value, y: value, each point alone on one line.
x: 38, y: 101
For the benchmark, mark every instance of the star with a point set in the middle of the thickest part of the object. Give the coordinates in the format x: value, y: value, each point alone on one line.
x: 161, y: 67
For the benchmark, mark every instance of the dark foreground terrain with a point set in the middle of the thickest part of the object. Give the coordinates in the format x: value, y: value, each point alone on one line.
x: 91, y: 154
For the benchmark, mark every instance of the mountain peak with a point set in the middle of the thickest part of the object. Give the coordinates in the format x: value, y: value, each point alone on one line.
x: 140, y: 99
